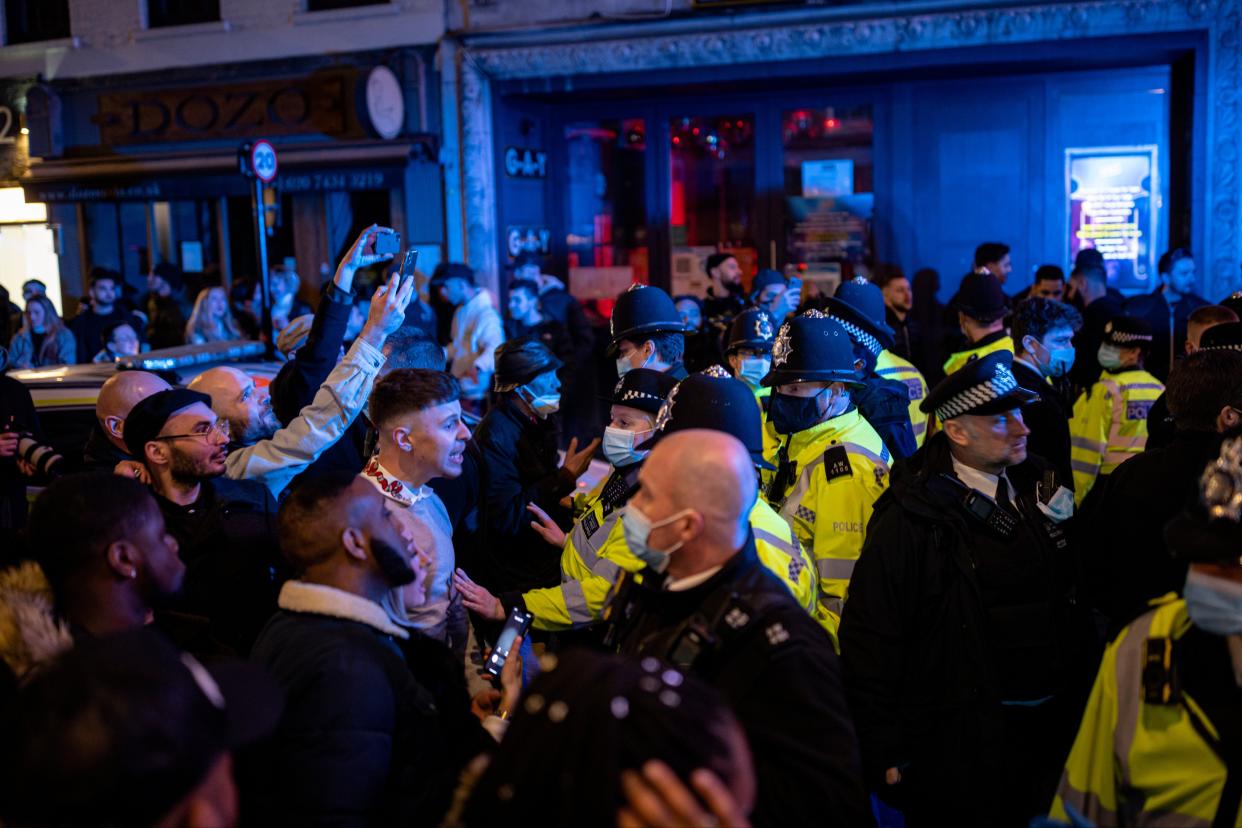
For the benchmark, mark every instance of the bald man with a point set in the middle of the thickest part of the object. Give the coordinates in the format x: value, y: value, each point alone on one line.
x: 275, y: 455
x: 105, y: 447
x: 706, y: 604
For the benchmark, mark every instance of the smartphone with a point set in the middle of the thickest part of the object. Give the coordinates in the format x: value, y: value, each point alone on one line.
x: 407, y: 264
x: 518, y: 624
x: 387, y: 241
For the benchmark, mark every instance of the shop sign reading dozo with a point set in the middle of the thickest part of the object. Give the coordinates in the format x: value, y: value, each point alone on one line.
x: 320, y: 103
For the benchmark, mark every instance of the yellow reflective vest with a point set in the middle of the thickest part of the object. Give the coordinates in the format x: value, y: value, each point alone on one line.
x: 990, y: 344
x: 840, y: 469
x: 1138, y: 762
x: 595, y: 553
x: 890, y: 366
x: 1109, y: 424
x: 771, y: 440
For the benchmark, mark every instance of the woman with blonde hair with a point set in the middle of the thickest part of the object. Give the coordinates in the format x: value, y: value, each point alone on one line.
x: 211, y: 320
x: 43, y: 338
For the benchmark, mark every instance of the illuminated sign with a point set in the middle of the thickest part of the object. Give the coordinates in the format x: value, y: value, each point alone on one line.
x: 1112, y: 193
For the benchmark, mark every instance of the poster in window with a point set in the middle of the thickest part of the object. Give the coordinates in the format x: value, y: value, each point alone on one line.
x: 1113, y: 196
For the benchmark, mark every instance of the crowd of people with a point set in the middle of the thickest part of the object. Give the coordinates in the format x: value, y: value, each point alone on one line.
x: 847, y: 559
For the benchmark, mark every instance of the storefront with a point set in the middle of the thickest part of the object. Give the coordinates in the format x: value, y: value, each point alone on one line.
x: 825, y: 141
x: 140, y: 170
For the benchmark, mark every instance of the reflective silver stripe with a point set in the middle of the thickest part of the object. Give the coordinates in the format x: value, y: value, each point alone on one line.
x: 836, y: 569
x: 1143, y: 386
x: 791, y: 502
x: 878, y: 459
x: 899, y: 369
x: 606, y: 569
x: 1131, y: 654
x: 780, y: 543
x: 583, y: 546
x: 1086, y: 803
x: 1084, y: 467
x: 833, y: 604
x: 576, y: 603
x: 919, y: 427
x: 1089, y: 445
x: 1168, y: 819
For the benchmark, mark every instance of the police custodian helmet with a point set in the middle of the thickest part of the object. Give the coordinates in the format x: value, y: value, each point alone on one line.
x: 981, y: 386
x: 752, y: 328
x: 714, y: 400
x: 642, y: 309
x: 859, y: 306
x: 812, y: 348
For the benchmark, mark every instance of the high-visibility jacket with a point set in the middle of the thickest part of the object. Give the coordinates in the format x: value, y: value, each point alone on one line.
x: 892, y: 367
x: 1109, y: 424
x: 839, y: 468
x: 771, y: 440
x: 1137, y: 762
x: 990, y: 344
x: 595, y: 553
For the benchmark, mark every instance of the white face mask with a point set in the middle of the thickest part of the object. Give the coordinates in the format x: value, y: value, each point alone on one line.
x: 1214, y: 604
x: 543, y: 405
x: 619, y: 445
x: 753, y: 369
x: 637, y: 528
x: 624, y: 366
x: 1109, y: 356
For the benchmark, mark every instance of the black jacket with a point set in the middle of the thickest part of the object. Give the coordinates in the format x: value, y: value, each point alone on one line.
x: 920, y: 647
x: 907, y: 344
x: 375, y: 731
x: 228, y: 542
x: 561, y: 306
x: 777, y: 669
x: 518, y: 464
x: 88, y: 328
x: 885, y: 404
x: 299, y: 380
x: 1168, y: 324
x: 17, y: 413
x: 1128, y: 561
x: 1048, y: 420
x: 100, y: 454
x: 166, y: 325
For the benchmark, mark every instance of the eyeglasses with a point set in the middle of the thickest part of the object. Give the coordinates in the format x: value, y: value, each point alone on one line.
x: 220, y: 427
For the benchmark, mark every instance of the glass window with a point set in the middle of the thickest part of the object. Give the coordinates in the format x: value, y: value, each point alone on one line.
x: 28, y: 21
x: 828, y: 191
x: 605, y: 195
x: 712, y: 195
x: 162, y: 13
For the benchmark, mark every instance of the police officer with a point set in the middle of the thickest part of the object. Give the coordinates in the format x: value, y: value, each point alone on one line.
x: 1161, y: 737
x: 831, y: 464
x: 647, y: 332
x: 588, y: 566
x: 883, y: 401
x: 981, y: 307
x: 749, y: 353
x: 1109, y: 424
x: 708, y: 606
x: 962, y: 639
x: 1043, y: 339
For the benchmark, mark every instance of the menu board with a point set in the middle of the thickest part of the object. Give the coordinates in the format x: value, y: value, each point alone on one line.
x: 1112, y: 207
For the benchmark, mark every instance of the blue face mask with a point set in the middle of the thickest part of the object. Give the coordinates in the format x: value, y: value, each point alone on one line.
x: 543, y: 405
x: 753, y: 369
x: 1109, y: 357
x: 619, y: 445
x: 637, y: 528
x: 1214, y: 604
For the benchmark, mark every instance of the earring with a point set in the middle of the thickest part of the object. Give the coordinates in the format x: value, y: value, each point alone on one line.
x: 133, y: 573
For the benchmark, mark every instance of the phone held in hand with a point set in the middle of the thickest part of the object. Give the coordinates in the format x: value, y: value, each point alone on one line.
x: 517, y: 624
x: 408, y: 264
x: 387, y: 242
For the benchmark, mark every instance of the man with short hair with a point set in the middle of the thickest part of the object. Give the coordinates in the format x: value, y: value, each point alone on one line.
x: 477, y: 331
x: 981, y: 307
x: 526, y: 318
x: 993, y: 257
x: 105, y: 447
x: 225, y: 529
x: 1160, y: 425
x: 378, y: 725
x: 88, y: 326
x: 421, y: 438
x: 724, y: 289
x: 707, y: 605
x: 129, y: 731
x: 1043, y: 333
x: 898, y: 301
x: 275, y: 455
x: 1049, y: 283
x: 770, y: 291
x: 1129, y: 561
x: 647, y: 332
x: 1167, y: 309
x: 1099, y: 305
x: 965, y: 647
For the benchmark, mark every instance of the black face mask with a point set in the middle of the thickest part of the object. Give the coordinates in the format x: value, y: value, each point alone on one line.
x: 790, y: 414
x: 392, y: 563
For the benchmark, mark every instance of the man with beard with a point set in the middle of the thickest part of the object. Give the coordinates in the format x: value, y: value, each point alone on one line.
x: 225, y: 529
x: 274, y: 455
x: 378, y: 724
x: 104, y: 553
x: 421, y: 438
